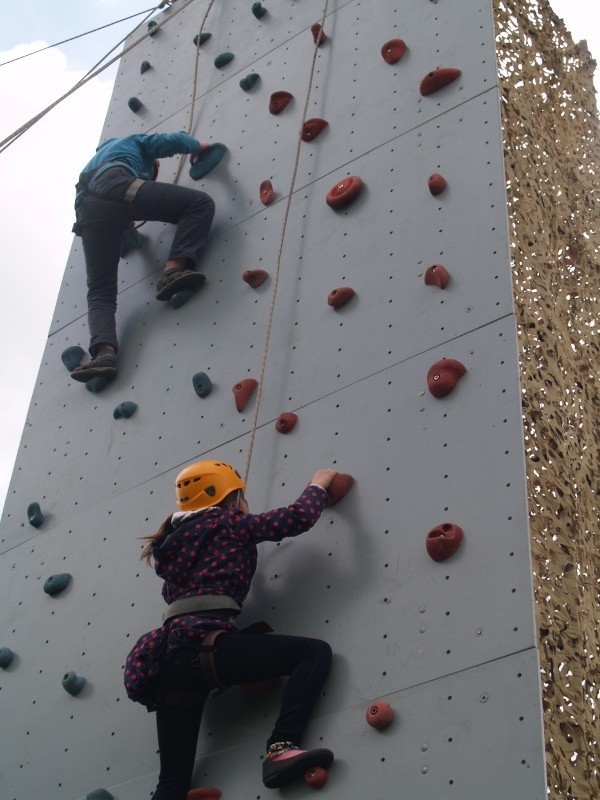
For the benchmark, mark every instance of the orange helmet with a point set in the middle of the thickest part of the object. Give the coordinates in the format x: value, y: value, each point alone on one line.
x: 205, y: 484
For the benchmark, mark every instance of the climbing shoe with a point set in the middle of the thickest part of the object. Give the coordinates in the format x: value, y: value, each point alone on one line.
x: 103, y: 366
x: 176, y: 280
x: 281, y: 770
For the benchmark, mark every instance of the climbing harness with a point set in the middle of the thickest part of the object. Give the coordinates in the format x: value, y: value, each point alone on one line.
x: 201, y: 602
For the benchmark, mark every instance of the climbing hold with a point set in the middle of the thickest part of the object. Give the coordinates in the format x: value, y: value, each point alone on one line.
x: 34, y: 515
x: 204, y: 793
x: 443, y: 376
x: 97, y: 384
x: 134, y: 104
x: 267, y: 193
x: 55, y: 584
x: 286, y: 422
x: 319, y: 35
x: 258, y: 10
x: 202, y: 384
x: 437, y: 79
x: 200, y: 38
x: 312, y: 128
x: 132, y: 239
x: 243, y: 391
x: 125, y: 409
x: 207, y: 160
x: 6, y: 657
x: 260, y: 687
x: 437, y: 275
x: 393, y: 50
x: 248, y: 82
x: 152, y: 27
x: 145, y: 66
x: 437, y: 183
x: 344, y: 191
x: 222, y: 59
x: 339, y: 487
x: 255, y: 277
x: 72, y: 683
x: 180, y: 298
x: 443, y: 541
x: 99, y: 794
x: 380, y: 714
x: 316, y: 777
x: 71, y: 357
x: 339, y: 297
x: 278, y: 101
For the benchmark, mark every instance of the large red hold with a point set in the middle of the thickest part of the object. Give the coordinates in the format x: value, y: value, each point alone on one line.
x: 339, y: 487
x: 243, y: 391
x: 204, y: 793
x: 344, y: 191
x: 437, y: 183
x: 380, y: 715
x: 443, y: 376
x: 278, y: 101
x: 437, y: 275
x: 316, y: 777
x: 286, y: 422
x: 393, y: 50
x: 312, y: 128
x: 319, y: 35
x: 255, y: 277
x: 437, y: 79
x: 267, y: 193
x: 443, y: 541
x: 339, y: 297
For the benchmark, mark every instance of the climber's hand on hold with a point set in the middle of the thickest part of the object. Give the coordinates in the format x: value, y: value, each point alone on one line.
x: 195, y: 156
x: 323, y: 477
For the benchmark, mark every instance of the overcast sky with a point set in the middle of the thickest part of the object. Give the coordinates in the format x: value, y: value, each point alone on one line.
x: 38, y: 173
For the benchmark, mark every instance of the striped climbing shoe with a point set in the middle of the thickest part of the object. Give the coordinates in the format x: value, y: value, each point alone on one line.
x: 102, y: 366
x: 175, y: 280
x: 287, y: 767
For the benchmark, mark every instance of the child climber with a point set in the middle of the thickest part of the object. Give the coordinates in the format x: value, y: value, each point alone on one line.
x: 206, y: 554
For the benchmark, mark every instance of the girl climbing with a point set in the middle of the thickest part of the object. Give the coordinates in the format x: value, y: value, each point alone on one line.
x: 206, y: 554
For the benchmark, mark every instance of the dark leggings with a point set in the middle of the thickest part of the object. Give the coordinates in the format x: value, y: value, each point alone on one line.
x: 240, y: 659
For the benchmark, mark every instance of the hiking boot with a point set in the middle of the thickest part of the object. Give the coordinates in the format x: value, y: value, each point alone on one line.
x: 176, y: 280
x: 102, y: 366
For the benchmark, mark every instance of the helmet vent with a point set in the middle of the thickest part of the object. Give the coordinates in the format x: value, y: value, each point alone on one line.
x: 210, y: 491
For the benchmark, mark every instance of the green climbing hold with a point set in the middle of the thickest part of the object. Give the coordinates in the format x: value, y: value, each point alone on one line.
x: 207, y: 160
x: 34, y: 515
x: 258, y: 10
x: 55, y: 584
x: 222, y: 59
x: 134, y: 104
x: 132, y: 239
x: 97, y: 384
x: 6, y: 657
x: 145, y: 66
x: 71, y: 357
x: 125, y: 409
x: 152, y: 27
x: 248, y: 82
x: 202, y: 384
x: 99, y: 794
x: 200, y: 38
x: 72, y: 683
x: 180, y: 298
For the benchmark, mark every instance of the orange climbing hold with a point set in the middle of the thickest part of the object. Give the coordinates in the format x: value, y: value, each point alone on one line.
x: 443, y: 376
x: 380, y: 715
x: 437, y: 79
x: 279, y: 101
x: 437, y: 183
x: 393, y: 50
x: 339, y: 297
x: 243, y: 391
x: 339, y: 487
x: 319, y: 35
x: 255, y: 277
x: 344, y: 191
x: 312, y: 128
x: 316, y: 777
x: 204, y: 793
x: 437, y: 275
x: 286, y: 422
x: 443, y: 541
x: 267, y: 193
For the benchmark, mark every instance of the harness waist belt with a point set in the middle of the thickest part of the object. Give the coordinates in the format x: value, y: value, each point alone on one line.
x: 201, y: 602
x: 132, y: 190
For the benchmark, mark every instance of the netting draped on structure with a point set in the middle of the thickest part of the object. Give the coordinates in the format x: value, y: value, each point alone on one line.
x: 552, y: 159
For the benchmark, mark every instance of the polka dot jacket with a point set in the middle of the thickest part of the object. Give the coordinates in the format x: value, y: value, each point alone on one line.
x: 210, y: 552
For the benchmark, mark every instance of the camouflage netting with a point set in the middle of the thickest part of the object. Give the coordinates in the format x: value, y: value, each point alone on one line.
x: 552, y: 158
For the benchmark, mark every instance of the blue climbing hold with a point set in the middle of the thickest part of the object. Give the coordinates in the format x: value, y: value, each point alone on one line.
x: 125, y: 409
x: 97, y: 384
x: 55, y: 584
x: 180, y: 298
x: 99, y: 794
x: 6, y: 657
x: 134, y: 104
x: 132, y: 239
x: 207, y: 160
x: 145, y: 66
x: 202, y: 384
x: 71, y: 357
x: 222, y: 59
x: 72, y: 683
x: 258, y: 10
x: 152, y: 27
x: 34, y: 515
x: 199, y: 39
x: 248, y: 82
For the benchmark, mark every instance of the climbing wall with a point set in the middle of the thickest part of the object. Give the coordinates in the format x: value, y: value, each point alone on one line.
x: 449, y: 644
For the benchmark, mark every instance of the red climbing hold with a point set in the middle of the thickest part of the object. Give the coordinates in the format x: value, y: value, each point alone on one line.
x: 243, y: 391
x: 443, y: 376
x: 380, y: 714
x: 255, y: 277
x: 260, y: 687
x: 344, y: 191
x: 393, y: 50
x: 437, y: 275
x: 443, y: 541
x: 339, y: 297
x: 339, y: 487
x: 267, y: 193
x: 438, y: 78
x: 437, y: 183
x: 312, y: 128
x: 286, y: 422
x: 204, y: 793
x: 278, y: 101
x: 316, y: 777
x: 319, y: 35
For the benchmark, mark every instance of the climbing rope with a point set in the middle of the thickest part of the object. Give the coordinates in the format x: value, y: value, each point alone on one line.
x: 280, y: 251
